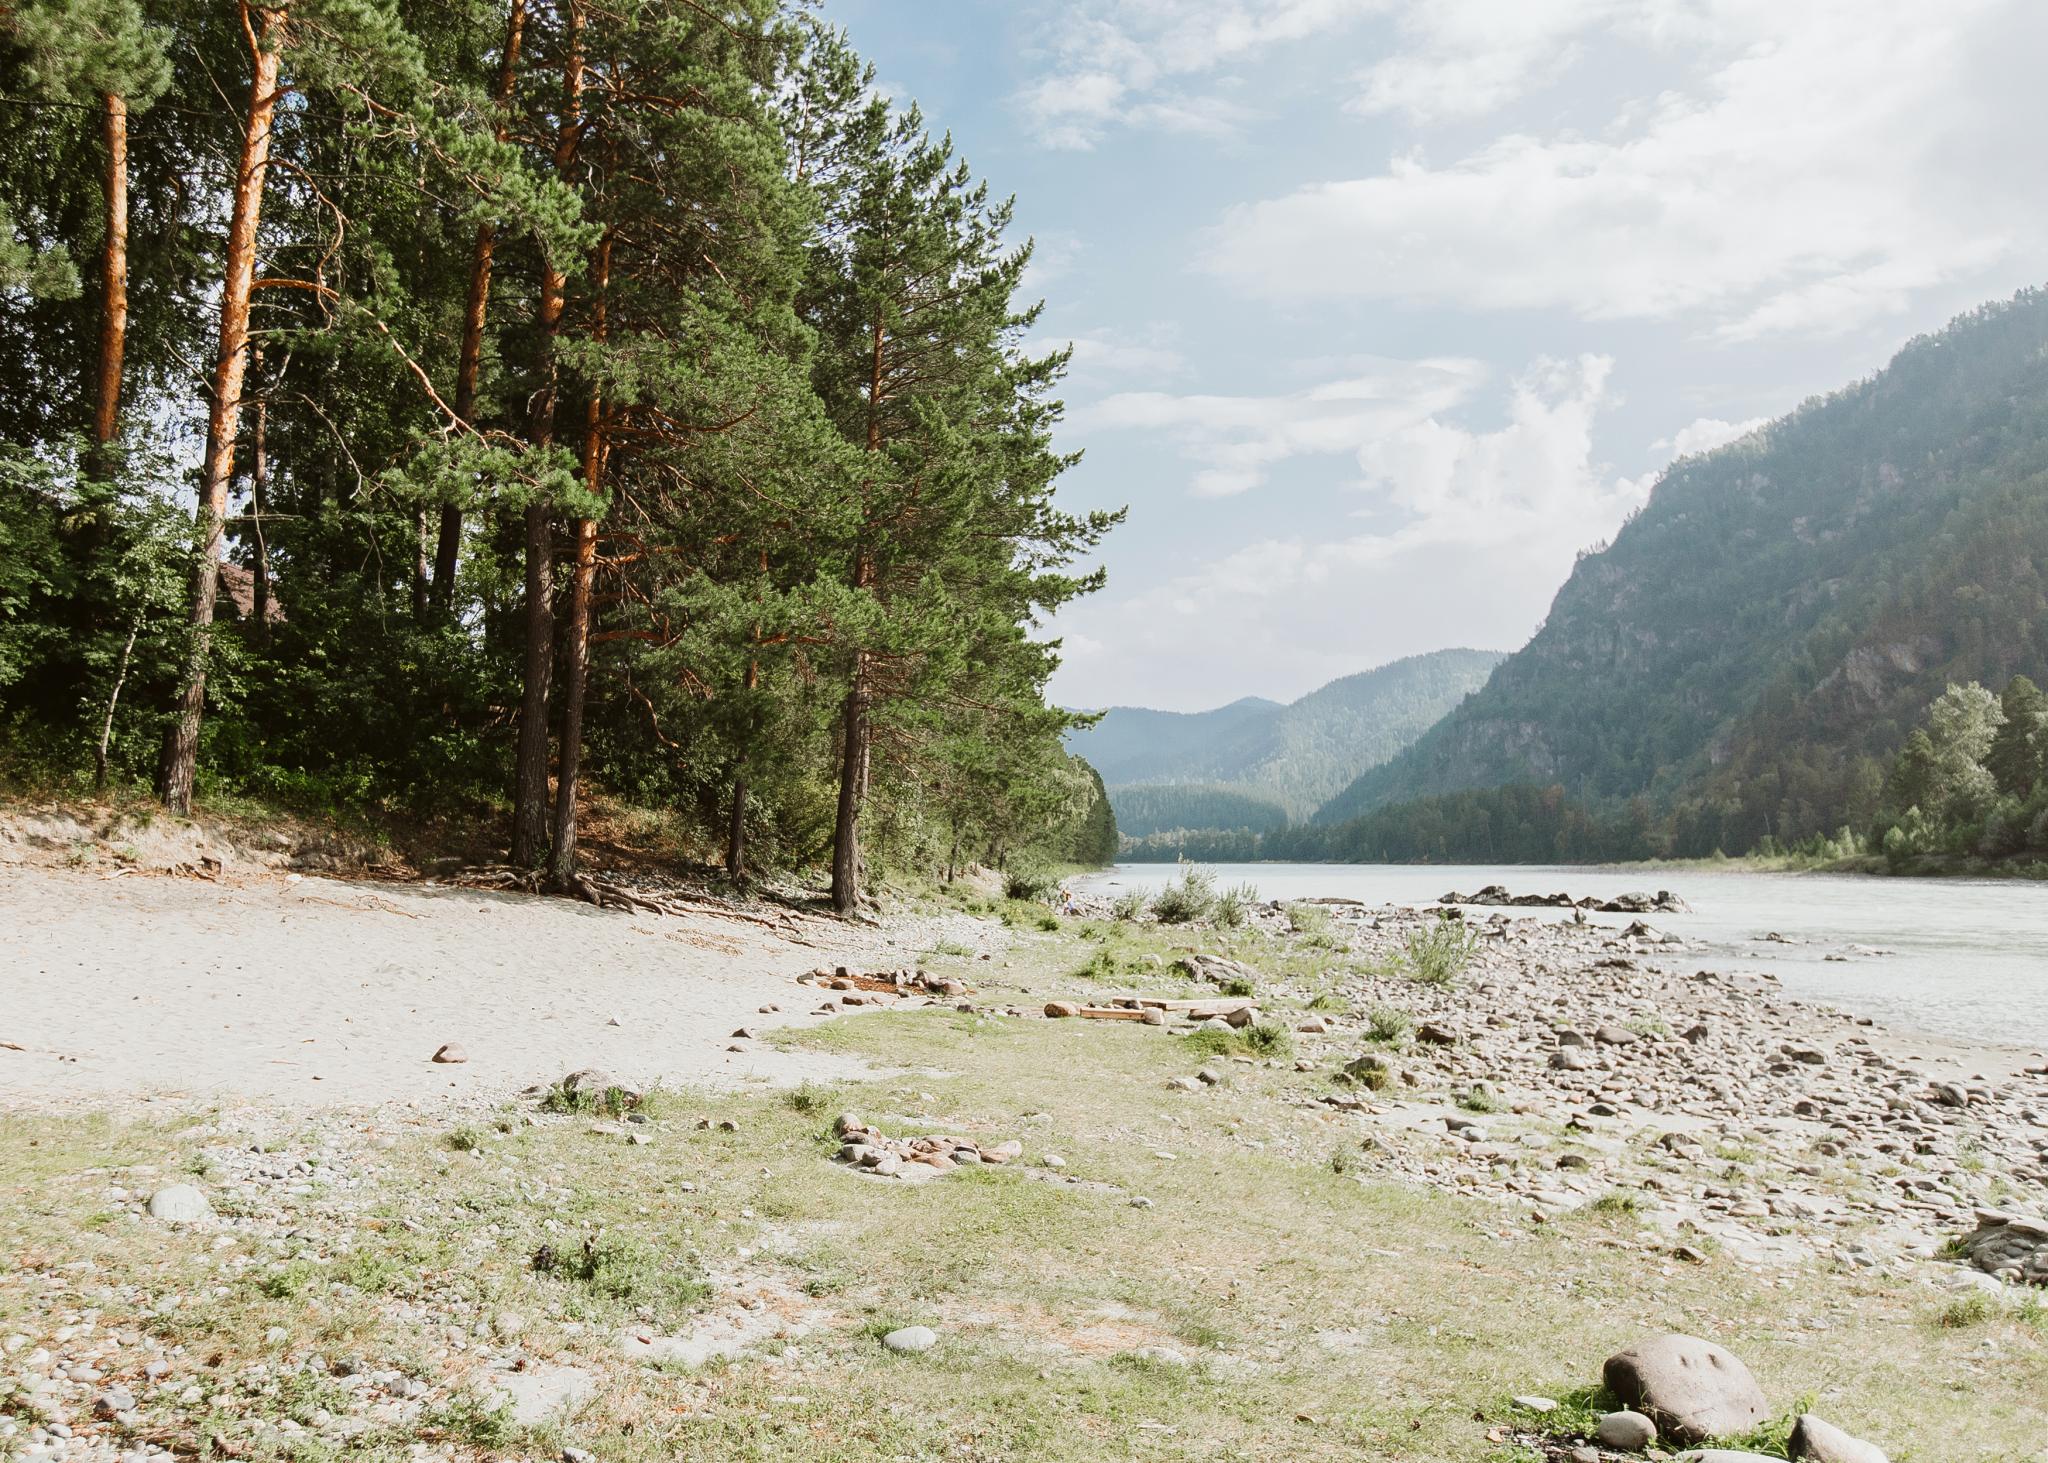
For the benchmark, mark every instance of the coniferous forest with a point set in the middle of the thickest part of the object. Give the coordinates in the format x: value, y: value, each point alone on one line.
x: 464, y: 406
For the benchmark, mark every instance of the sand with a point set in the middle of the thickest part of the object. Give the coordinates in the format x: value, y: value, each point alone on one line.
x: 313, y: 993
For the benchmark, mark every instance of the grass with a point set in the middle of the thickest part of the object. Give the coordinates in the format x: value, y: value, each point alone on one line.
x: 1389, y: 1027
x: 1326, y: 1312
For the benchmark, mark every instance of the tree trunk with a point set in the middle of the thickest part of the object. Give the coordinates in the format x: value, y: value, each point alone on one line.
x: 853, y: 767
x: 736, y: 829
x: 106, y: 418
x: 259, y: 502
x: 530, y: 794
x: 853, y: 791
x: 448, y: 546
x: 576, y: 656
x: 181, y: 739
x: 99, y: 753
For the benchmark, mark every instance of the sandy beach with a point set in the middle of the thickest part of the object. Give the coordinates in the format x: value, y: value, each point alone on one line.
x: 311, y: 992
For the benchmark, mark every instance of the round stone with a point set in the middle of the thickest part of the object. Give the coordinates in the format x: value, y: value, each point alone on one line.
x: 911, y: 1340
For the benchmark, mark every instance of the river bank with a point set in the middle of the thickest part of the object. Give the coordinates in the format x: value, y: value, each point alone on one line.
x: 1358, y: 1224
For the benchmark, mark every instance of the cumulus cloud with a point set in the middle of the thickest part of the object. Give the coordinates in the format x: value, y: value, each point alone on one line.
x: 1815, y: 167
x: 1235, y: 441
x: 1473, y: 528
x: 1704, y: 435
x: 1131, y: 63
x: 1109, y: 353
x: 1466, y: 58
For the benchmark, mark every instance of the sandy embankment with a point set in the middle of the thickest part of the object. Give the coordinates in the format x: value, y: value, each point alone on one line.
x: 311, y: 992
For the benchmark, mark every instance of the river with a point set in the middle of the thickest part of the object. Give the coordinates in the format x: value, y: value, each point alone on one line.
x: 1969, y: 957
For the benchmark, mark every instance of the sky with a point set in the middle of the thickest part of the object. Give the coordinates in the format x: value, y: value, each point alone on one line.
x: 1385, y: 310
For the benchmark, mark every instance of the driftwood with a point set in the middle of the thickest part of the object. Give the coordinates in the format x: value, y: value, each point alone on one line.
x: 606, y: 895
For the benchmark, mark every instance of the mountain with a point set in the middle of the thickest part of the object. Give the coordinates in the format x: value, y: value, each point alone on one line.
x: 1260, y: 763
x: 1762, y: 634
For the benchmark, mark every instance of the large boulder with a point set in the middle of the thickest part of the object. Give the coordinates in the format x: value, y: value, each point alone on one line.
x: 1692, y: 1389
x: 1216, y: 969
x: 1825, y: 1443
x: 179, y: 1204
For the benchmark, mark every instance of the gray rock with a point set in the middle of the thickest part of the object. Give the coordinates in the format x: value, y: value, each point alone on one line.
x: 1826, y: 1443
x: 1630, y: 1431
x: 179, y: 1204
x: 1160, y: 1356
x: 449, y: 1054
x: 113, y: 1402
x: 2009, y: 1246
x: 911, y: 1340
x: 1721, y: 1455
x: 1691, y: 1389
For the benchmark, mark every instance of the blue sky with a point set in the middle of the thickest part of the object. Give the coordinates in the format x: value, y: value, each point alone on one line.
x: 1385, y: 309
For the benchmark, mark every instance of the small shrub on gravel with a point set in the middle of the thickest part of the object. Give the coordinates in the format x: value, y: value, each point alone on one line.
x: 1389, y: 1025
x: 1188, y: 897
x: 1233, y: 904
x: 1438, y: 951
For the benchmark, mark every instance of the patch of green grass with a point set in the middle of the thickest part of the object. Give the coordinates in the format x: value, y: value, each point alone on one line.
x: 623, y: 1270
x: 809, y: 1099
x: 1239, y: 985
x: 611, y: 1102
x: 1128, y: 906
x: 1617, y: 1201
x: 289, y: 1280
x: 1260, y: 1039
x: 1480, y: 1099
x: 1389, y: 1026
x: 467, y: 1139
x: 1965, y: 1311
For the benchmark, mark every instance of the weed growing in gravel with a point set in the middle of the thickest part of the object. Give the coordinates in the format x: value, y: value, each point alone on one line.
x: 1617, y: 1201
x: 1388, y: 1026
x: 622, y: 1270
x: 808, y: 1098
x: 1261, y: 1039
x: 1965, y: 1311
x: 1233, y: 904
x: 1438, y: 951
x: 1128, y: 906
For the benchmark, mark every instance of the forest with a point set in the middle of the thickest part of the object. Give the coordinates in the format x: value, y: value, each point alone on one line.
x: 1968, y: 790
x: 465, y: 408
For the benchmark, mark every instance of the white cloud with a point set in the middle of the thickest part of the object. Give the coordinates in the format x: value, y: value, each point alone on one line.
x: 1465, y: 58
x: 1704, y: 435
x: 1816, y: 166
x: 1482, y: 524
x: 1126, y: 62
x: 1104, y: 353
x: 1234, y: 441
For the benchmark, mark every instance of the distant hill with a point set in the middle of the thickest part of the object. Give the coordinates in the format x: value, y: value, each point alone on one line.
x: 1761, y: 636
x: 1261, y: 762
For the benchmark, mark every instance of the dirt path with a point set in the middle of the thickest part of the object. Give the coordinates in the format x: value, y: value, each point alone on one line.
x: 315, y: 993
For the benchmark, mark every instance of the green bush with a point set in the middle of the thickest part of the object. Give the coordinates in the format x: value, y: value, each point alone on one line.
x: 1233, y: 904
x: 1437, y: 952
x: 1188, y: 897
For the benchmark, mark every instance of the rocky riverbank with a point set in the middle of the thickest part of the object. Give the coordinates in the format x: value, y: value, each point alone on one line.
x: 1275, y: 1170
x: 1575, y: 1063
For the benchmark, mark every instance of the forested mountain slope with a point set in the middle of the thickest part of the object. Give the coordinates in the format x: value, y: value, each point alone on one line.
x: 1258, y: 762
x: 1762, y: 634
